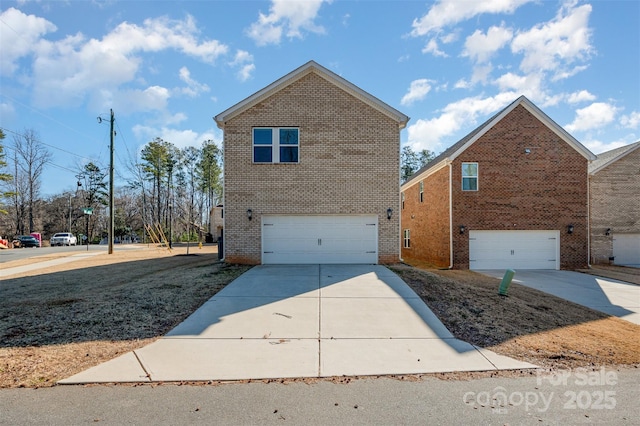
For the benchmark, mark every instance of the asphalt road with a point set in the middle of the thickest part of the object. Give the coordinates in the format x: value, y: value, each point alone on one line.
x: 25, y: 253
x: 597, y: 397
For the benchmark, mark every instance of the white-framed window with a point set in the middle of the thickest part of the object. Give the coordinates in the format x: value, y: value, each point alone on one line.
x: 276, y: 144
x: 421, y: 191
x: 402, y: 199
x: 469, y: 176
x: 406, y: 236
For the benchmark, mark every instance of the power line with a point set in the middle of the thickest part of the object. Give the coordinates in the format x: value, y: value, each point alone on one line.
x: 4, y: 129
x: 46, y: 116
x: 47, y: 162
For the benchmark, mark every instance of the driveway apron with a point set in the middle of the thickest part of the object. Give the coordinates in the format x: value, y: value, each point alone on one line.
x: 284, y: 321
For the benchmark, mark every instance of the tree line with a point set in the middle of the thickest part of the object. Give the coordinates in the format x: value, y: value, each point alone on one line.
x: 169, y: 187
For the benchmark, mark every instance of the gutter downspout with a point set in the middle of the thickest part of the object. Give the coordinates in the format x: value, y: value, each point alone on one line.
x: 450, y: 217
x: 588, y: 222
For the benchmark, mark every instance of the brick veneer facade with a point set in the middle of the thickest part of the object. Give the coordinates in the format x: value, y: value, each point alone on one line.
x: 349, y: 156
x: 545, y: 189
x: 614, y: 204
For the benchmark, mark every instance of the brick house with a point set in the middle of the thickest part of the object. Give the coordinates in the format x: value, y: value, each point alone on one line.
x: 311, y: 173
x: 614, y: 186
x: 510, y: 194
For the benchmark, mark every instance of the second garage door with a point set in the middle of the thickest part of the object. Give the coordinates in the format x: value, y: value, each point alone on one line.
x: 319, y: 239
x: 514, y: 249
x: 626, y: 249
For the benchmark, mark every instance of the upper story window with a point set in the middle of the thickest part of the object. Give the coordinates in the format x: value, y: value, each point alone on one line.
x: 276, y: 144
x: 469, y: 176
x: 421, y: 191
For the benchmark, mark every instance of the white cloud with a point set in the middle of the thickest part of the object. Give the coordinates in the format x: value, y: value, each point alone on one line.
x: 450, y: 38
x: 581, y: 96
x: 450, y: 12
x: 246, y: 71
x: 418, y: 90
x: 20, y: 34
x: 76, y: 68
x: 161, y: 34
x: 153, y: 98
x: 181, y: 138
x: 462, y: 84
x: 597, y: 146
x: 529, y: 85
x: 430, y: 133
x: 556, y: 46
x: 480, y: 46
x: 287, y: 18
x: 595, y: 116
x: 244, y: 61
x: 194, y: 88
x: 631, y: 121
x: 432, y: 47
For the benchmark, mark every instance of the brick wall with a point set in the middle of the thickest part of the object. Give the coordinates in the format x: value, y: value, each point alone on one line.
x: 614, y: 204
x: 428, y: 221
x: 543, y: 190
x: 349, y: 164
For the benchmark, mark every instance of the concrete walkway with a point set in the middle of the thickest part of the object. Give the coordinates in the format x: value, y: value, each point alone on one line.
x: 613, y: 297
x: 7, y: 272
x: 303, y: 321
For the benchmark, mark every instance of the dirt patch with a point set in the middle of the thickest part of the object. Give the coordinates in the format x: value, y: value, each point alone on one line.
x: 528, y: 325
x: 58, y: 321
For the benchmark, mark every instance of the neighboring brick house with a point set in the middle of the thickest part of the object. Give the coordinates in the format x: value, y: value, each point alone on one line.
x: 614, y: 185
x: 311, y: 173
x: 511, y: 194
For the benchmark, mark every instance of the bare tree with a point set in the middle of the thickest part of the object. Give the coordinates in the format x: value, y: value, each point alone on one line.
x: 31, y: 157
x: 4, y: 177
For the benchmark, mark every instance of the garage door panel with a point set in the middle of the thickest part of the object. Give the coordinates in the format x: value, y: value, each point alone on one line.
x: 626, y: 249
x: 514, y: 249
x: 319, y: 239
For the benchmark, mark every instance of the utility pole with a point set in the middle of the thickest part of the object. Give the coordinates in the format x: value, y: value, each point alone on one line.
x: 111, y: 203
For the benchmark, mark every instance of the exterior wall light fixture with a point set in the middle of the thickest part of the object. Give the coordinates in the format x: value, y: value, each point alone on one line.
x: 462, y: 228
x: 249, y: 214
x: 607, y: 232
x: 389, y: 213
x: 570, y: 229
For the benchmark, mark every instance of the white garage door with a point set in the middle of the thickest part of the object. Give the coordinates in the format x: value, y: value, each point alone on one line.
x: 514, y: 250
x: 319, y: 239
x: 626, y: 249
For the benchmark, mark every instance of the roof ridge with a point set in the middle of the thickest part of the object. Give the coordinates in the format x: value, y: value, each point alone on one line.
x: 300, y: 72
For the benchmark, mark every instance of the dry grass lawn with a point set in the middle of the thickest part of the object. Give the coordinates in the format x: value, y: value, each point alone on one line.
x: 59, y: 321
x: 528, y: 324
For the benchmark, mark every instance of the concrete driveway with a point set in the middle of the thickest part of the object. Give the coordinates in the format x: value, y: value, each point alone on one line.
x: 613, y: 297
x: 282, y: 321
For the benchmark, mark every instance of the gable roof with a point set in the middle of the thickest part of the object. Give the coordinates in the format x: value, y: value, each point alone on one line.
x: 297, y: 74
x: 451, y: 153
x: 608, y: 157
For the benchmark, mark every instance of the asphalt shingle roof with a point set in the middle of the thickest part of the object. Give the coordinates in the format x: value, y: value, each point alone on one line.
x: 610, y: 156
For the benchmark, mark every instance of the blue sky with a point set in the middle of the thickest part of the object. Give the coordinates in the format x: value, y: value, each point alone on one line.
x: 167, y: 67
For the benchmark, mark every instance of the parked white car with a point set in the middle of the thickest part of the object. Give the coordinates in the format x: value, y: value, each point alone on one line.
x: 63, y: 239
